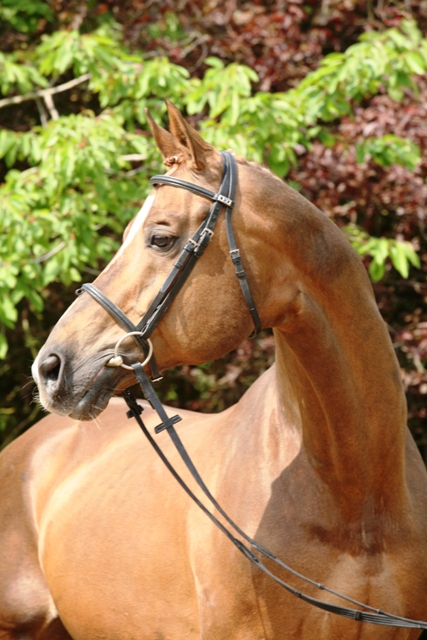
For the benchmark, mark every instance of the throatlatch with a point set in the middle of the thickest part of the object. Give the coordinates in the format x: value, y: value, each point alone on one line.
x: 193, y: 249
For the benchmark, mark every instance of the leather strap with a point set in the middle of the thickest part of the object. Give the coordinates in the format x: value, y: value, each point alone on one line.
x: 235, y: 254
x: 372, y: 615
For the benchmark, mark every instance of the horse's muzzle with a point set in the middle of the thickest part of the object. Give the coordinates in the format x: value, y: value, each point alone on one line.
x: 80, y: 391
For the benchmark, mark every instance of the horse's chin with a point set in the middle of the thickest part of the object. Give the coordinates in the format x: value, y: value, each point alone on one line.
x: 97, y: 395
x: 93, y: 402
x: 89, y: 406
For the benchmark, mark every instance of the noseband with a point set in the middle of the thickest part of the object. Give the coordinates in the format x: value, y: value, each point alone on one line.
x: 193, y: 249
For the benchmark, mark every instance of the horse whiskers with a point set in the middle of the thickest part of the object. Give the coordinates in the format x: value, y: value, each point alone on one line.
x: 95, y: 419
x: 36, y: 396
x: 30, y: 382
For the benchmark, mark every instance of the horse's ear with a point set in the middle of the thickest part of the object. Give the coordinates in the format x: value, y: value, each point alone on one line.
x: 167, y: 144
x: 198, y: 150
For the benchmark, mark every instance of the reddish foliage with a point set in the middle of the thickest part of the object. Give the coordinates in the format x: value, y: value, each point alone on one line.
x: 281, y: 39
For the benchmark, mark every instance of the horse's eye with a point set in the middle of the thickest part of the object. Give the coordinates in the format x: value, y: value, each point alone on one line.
x: 162, y: 242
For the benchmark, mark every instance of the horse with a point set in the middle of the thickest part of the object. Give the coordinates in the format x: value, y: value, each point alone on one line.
x: 314, y: 463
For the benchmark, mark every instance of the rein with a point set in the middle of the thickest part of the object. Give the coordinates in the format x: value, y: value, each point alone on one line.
x: 141, y: 332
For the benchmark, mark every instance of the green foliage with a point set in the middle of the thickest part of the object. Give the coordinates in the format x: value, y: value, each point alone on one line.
x: 23, y: 15
x: 125, y: 82
x: 57, y: 216
x: 266, y: 131
x: 222, y: 88
x: 15, y: 74
x: 266, y: 126
x: 401, y: 253
x: 98, y: 53
x: 74, y: 189
x: 390, y: 58
x: 388, y: 150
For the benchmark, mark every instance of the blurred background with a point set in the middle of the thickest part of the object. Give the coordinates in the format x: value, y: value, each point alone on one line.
x: 331, y: 95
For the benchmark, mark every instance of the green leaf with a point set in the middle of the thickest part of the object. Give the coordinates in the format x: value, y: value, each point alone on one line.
x: 36, y: 301
x: 395, y: 93
x: 376, y: 270
x: 214, y: 62
x: 415, y: 62
x: 75, y: 275
x: 411, y: 254
x: 379, y: 249
x: 399, y: 259
x: 3, y: 346
x: 234, y: 108
x: 7, y: 141
x: 8, y: 311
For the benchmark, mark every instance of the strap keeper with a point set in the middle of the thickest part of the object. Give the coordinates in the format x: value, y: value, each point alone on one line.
x: 235, y: 257
x: 167, y: 423
x: 205, y: 238
x: 224, y: 200
x: 132, y: 413
x: 135, y: 408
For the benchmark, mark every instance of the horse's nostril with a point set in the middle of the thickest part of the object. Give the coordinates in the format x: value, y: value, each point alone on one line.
x: 50, y: 368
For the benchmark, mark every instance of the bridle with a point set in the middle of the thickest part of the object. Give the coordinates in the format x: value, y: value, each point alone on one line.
x: 193, y: 249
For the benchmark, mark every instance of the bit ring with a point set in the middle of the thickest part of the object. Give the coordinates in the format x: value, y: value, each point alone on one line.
x: 117, y: 360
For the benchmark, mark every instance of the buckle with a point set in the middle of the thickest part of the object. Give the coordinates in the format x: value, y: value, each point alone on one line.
x: 224, y: 200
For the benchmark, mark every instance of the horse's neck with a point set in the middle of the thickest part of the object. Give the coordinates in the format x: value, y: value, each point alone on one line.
x: 338, y: 380
x: 346, y: 399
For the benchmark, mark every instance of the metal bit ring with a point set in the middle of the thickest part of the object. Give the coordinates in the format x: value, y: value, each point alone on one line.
x: 117, y: 360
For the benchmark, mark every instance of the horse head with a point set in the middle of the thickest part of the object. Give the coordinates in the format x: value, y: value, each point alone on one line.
x: 209, y: 316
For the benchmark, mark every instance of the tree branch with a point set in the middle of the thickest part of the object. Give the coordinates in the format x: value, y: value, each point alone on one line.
x: 42, y: 112
x: 133, y: 157
x: 50, y: 253
x: 51, y: 106
x: 45, y: 93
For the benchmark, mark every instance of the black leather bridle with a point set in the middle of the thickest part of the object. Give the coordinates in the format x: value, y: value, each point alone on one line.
x: 193, y: 249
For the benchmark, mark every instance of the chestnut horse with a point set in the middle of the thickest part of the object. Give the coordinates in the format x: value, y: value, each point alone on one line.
x: 98, y: 540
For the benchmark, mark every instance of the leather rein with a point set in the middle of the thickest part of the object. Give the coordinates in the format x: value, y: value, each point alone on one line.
x: 141, y: 333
